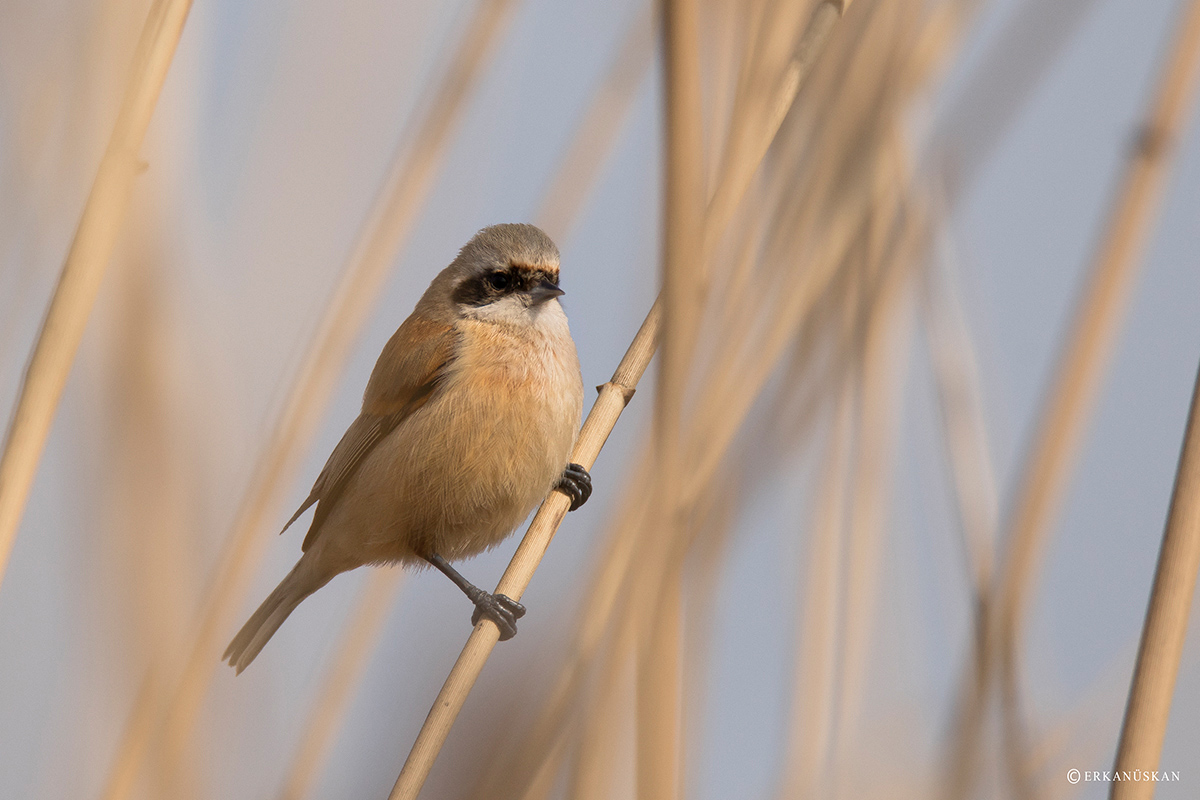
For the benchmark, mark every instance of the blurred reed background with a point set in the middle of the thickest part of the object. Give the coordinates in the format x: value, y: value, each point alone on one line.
x: 882, y: 520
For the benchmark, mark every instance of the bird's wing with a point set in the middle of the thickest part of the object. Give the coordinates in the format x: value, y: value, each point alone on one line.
x: 408, y: 371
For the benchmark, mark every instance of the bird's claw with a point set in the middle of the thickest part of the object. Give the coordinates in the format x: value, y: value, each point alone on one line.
x: 576, y: 484
x: 500, y: 609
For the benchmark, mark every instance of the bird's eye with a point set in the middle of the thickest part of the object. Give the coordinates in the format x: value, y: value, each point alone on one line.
x: 500, y: 281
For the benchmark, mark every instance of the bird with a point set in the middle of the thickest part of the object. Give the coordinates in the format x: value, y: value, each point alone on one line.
x: 467, y: 423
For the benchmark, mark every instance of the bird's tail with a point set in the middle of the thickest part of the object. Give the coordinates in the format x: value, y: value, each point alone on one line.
x: 258, y: 630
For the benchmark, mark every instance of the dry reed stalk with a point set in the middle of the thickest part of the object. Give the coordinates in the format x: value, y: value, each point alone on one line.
x: 803, y: 290
x: 614, y: 395
x: 540, y: 752
x: 705, y: 427
x: 970, y: 129
x: 659, y: 689
x: 578, y: 169
x: 659, y: 696
x: 150, y: 467
x: 1085, y: 355
x: 884, y: 367
x: 604, y: 721
x: 726, y: 411
x: 735, y: 426
x: 707, y: 546
x: 683, y: 221
x: 960, y: 404
x: 778, y: 429
x: 813, y: 692
x: 703, y: 569
x: 769, y: 35
x: 137, y: 735
x: 57, y: 121
x: 83, y: 270
x: 904, y: 247
x: 690, y: 480
x: 604, y: 708
x: 546, y: 777
x: 718, y: 386
x: 591, y: 618
x: 601, y: 738
x: 613, y: 398
x: 59, y: 100
x: 1165, y: 629
x: 144, y: 491
x: 751, y: 134
x: 409, y: 180
x: 676, y: 630
x: 725, y: 36
x: 815, y: 372
x: 1081, y: 736
x: 704, y: 486
x: 733, y: 381
x: 964, y: 435
x: 836, y: 236
x: 700, y: 482
x: 351, y: 656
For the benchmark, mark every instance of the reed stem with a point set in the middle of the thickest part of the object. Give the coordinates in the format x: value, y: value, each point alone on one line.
x: 409, y: 180
x: 614, y: 396
x: 1166, y: 625
x: 82, y: 272
x: 1083, y: 362
x: 1165, y: 629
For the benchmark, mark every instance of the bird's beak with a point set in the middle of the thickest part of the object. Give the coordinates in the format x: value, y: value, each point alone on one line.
x: 544, y: 291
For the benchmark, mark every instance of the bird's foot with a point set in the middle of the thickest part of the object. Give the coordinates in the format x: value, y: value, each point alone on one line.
x: 576, y: 484
x: 500, y: 609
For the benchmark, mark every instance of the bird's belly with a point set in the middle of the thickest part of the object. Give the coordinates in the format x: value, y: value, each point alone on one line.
x: 458, y: 488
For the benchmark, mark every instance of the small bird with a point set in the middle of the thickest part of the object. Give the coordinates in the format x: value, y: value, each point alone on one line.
x: 467, y: 422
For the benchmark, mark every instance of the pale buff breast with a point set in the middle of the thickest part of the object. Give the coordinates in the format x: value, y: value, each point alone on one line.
x: 515, y: 397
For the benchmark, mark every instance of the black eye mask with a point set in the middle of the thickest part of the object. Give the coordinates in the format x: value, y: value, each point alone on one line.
x: 479, y: 290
